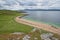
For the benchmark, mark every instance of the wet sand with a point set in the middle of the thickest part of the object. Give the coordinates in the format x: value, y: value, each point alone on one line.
x: 46, y: 27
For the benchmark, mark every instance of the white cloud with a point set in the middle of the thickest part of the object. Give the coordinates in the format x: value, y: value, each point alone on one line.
x: 2, y: 2
x: 21, y: 4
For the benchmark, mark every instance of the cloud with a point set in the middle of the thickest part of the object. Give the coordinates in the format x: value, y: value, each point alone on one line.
x: 22, y: 4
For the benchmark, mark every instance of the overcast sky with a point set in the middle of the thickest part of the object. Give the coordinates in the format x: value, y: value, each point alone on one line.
x: 22, y: 4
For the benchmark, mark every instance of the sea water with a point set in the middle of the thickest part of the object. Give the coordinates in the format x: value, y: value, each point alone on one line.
x: 48, y: 17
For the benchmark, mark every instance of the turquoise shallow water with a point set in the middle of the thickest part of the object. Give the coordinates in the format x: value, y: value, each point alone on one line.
x: 48, y: 17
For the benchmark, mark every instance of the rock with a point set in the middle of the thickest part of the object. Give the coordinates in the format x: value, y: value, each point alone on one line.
x: 53, y: 38
x: 47, y: 39
x: 18, y: 38
x: 45, y: 36
x: 34, y: 30
x: 48, y: 36
x: 18, y: 33
x: 35, y: 38
x: 26, y: 37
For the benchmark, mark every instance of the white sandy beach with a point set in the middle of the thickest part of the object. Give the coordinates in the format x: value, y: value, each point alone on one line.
x: 38, y: 25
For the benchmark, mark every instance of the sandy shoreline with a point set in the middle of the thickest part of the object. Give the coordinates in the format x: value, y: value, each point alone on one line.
x: 38, y: 25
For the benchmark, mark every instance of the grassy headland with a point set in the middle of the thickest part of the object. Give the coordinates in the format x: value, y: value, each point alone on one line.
x: 8, y: 25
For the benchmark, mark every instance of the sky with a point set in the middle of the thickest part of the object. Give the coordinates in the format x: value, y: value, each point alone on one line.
x: 23, y: 4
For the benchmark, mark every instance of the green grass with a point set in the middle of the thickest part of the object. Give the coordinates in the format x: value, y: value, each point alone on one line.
x: 8, y: 24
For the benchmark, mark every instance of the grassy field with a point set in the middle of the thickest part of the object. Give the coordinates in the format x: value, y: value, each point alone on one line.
x: 8, y: 24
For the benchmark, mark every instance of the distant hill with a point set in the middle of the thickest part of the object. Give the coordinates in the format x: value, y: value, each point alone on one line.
x: 42, y: 9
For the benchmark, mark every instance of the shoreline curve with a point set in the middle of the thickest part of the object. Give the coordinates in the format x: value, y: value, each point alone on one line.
x: 46, y: 27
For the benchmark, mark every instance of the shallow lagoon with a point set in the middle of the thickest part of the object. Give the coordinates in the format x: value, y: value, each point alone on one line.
x: 49, y: 17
